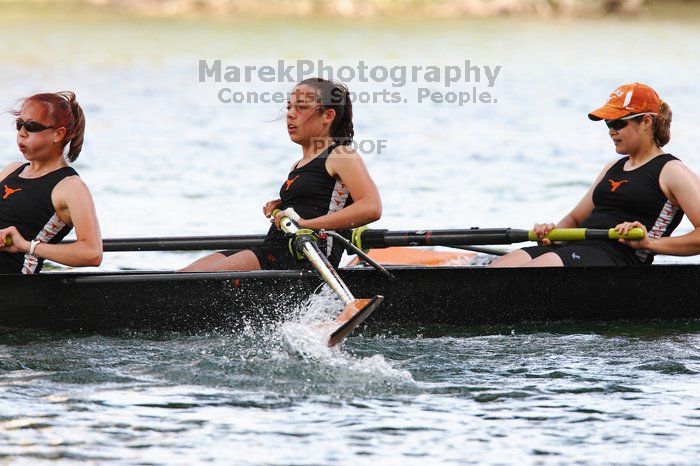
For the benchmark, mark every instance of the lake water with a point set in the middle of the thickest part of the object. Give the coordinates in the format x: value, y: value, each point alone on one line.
x: 163, y: 157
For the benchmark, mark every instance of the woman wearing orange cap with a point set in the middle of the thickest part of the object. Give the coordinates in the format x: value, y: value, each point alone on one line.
x: 647, y: 188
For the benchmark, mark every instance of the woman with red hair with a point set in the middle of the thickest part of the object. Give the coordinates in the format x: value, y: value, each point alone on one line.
x: 43, y: 199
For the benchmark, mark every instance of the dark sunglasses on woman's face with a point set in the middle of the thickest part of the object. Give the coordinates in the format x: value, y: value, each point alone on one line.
x: 620, y: 123
x: 617, y: 125
x: 31, y: 126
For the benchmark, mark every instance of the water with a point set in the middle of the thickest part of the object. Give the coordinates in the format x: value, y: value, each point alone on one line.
x: 163, y: 157
x: 606, y: 394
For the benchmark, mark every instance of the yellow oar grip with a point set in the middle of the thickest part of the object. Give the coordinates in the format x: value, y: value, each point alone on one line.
x: 561, y: 234
x: 8, y: 241
x: 578, y: 234
x: 634, y: 233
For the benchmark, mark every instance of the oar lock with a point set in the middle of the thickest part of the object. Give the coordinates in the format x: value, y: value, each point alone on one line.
x: 301, y: 237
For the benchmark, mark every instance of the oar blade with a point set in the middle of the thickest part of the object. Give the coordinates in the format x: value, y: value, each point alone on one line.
x: 352, y: 316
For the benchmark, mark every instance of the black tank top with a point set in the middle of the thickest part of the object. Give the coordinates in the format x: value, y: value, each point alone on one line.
x: 25, y: 203
x: 313, y: 192
x: 625, y: 196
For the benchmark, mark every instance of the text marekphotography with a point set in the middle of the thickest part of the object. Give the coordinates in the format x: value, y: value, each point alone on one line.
x: 389, y: 82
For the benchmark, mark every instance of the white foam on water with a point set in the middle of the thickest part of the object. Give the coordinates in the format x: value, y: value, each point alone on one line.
x: 305, y: 341
x: 305, y: 335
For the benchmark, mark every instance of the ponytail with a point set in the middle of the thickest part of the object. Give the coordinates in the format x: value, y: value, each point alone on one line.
x: 662, y: 125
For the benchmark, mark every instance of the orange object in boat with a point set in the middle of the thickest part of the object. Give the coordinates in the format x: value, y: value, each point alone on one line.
x: 416, y: 256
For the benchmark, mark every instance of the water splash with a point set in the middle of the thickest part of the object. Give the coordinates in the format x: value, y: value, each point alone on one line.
x: 305, y: 336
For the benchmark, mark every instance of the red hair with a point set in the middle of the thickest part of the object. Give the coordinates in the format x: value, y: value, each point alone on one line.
x: 65, y: 112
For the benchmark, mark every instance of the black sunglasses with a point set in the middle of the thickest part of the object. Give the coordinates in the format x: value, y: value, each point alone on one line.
x: 620, y: 123
x: 31, y: 126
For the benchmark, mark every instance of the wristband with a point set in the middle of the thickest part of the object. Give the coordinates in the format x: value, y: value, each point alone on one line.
x: 32, y: 246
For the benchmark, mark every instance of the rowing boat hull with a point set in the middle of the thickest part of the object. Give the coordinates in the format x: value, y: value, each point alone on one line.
x: 418, y: 295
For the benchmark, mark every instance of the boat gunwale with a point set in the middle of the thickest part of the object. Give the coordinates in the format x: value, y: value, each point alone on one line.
x: 305, y: 272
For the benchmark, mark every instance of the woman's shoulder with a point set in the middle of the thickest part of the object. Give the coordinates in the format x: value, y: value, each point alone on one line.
x: 13, y: 166
x: 9, y: 169
x: 674, y: 165
x: 341, y: 151
x: 668, y: 163
x: 611, y: 163
x: 667, y: 159
x: 73, y: 182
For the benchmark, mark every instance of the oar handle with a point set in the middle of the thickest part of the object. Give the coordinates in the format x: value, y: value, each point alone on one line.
x: 8, y: 241
x: 578, y: 234
x: 315, y: 256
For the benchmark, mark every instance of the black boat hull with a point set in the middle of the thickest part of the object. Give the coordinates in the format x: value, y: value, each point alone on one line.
x: 418, y: 295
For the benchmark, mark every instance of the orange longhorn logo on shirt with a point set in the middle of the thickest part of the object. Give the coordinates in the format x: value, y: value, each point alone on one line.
x: 289, y: 182
x: 616, y: 184
x: 9, y: 191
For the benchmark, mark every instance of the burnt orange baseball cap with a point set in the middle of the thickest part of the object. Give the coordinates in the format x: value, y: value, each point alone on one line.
x: 626, y: 100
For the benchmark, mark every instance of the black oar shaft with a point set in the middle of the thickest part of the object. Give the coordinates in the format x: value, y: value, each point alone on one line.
x: 473, y: 236
x: 188, y: 243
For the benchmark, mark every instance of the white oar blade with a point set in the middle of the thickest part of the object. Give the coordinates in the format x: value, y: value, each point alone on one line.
x: 352, y: 316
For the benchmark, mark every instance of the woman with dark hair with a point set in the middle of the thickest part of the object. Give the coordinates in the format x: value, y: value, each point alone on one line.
x: 647, y: 188
x: 329, y: 188
x: 43, y: 199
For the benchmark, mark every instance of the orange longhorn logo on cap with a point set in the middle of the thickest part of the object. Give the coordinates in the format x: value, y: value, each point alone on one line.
x: 616, y: 93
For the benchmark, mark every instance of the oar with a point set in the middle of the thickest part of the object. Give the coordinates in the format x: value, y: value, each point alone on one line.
x: 356, y: 310
x: 362, y: 237
x: 366, y: 239
x: 182, y: 243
